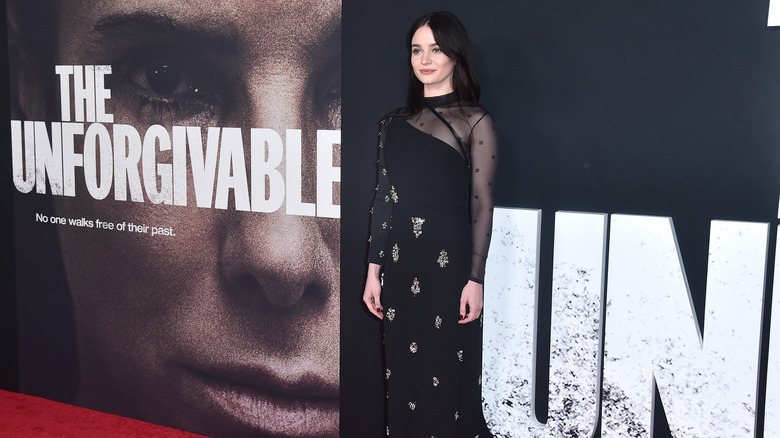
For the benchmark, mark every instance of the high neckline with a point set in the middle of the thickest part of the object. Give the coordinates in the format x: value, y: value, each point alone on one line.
x: 444, y: 99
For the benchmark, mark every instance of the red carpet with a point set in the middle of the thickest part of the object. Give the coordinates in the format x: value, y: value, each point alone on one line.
x: 23, y: 416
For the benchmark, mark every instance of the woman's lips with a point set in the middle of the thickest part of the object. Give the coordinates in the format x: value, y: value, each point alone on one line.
x: 426, y: 71
x: 301, y: 405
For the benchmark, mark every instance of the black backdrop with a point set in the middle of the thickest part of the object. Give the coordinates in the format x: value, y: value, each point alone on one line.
x: 8, y: 366
x: 664, y: 108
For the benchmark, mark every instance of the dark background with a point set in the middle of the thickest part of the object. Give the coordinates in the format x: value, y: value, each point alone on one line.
x: 9, y: 369
x: 665, y: 108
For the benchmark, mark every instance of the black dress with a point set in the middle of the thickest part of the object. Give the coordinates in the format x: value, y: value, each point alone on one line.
x: 431, y: 223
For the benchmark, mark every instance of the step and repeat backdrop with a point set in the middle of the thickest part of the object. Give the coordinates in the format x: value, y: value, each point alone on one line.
x: 630, y: 280
x: 190, y: 234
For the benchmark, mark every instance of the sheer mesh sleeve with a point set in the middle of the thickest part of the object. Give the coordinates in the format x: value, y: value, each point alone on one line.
x: 484, y: 156
x: 382, y: 207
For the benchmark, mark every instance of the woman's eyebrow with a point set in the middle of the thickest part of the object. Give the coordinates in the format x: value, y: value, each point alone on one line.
x: 133, y: 25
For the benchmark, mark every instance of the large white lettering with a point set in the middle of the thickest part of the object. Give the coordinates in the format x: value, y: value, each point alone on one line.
x: 772, y: 406
x: 232, y: 171
x: 98, y: 161
x: 89, y: 92
x: 708, y: 383
x: 70, y: 158
x: 217, y: 173
x: 267, y: 154
x: 23, y: 157
x: 510, y: 335
x: 327, y: 173
x: 153, y: 171
x: 127, y: 154
x: 216, y: 170
x: 293, y: 167
x: 653, y: 337
x: 48, y: 156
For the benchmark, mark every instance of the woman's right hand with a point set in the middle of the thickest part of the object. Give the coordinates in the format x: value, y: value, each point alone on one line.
x: 373, y: 290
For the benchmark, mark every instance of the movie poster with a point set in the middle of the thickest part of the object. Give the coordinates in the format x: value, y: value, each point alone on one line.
x: 177, y: 176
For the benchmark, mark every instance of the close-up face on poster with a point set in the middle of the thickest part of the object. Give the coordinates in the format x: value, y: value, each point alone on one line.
x: 185, y: 158
x: 193, y: 246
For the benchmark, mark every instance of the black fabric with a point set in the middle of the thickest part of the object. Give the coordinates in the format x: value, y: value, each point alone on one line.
x: 431, y: 223
x: 463, y: 151
x: 475, y: 127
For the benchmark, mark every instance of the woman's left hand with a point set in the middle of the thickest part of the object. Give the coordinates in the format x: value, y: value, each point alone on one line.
x: 471, y: 297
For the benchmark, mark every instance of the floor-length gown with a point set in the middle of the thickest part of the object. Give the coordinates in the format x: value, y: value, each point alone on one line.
x: 431, y: 223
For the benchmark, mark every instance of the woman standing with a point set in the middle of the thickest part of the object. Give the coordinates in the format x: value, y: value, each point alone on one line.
x: 430, y: 232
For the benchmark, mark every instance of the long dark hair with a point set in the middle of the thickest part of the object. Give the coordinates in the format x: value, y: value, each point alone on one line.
x: 451, y: 36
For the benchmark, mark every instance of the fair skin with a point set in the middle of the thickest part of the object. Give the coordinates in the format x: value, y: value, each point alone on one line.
x: 230, y: 328
x: 434, y: 69
x: 431, y: 66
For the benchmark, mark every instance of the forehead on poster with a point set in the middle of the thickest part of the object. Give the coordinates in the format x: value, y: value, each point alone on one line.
x: 207, y: 53
x: 195, y: 184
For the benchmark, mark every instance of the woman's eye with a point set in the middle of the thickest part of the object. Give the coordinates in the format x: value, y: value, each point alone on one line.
x: 162, y: 79
x: 416, y: 51
x: 172, y: 87
x: 436, y: 50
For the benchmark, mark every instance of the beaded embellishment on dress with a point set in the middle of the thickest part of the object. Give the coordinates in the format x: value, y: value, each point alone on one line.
x: 417, y: 223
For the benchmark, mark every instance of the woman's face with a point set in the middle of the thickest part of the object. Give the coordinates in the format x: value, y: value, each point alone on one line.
x: 431, y: 66
x: 230, y: 327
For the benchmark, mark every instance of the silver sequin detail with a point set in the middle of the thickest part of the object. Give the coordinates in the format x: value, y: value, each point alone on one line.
x: 435, y: 381
x: 413, y: 347
x: 460, y: 355
x: 412, y: 405
x: 437, y: 322
x: 384, y: 171
x: 387, y: 198
x: 381, y: 254
x: 387, y: 373
x: 456, y: 416
x: 382, y: 279
x: 393, y: 194
x: 415, y: 287
x: 443, y: 259
x: 384, y: 225
x: 395, y: 253
x: 387, y: 429
x: 417, y: 223
x: 390, y: 314
x: 479, y: 380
